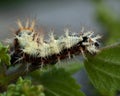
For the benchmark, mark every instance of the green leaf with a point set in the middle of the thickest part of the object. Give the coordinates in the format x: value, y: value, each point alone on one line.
x: 24, y: 88
x: 104, y: 70
x: 4, y: 56
x: 74, y: 67
x: 58, y: 82
x: 71, y: 67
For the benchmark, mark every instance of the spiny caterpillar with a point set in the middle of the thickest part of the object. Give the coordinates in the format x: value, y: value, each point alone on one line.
x: 30, y: 46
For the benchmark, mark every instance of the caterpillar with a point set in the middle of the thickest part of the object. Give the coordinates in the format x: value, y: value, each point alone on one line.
x: 29, y: 45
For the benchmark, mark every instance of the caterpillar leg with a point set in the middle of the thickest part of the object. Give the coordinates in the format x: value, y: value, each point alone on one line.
x: 83, y: 54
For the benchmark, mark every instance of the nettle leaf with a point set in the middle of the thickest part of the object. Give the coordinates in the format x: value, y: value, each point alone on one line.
x: 104, y: 70
x: 74, y: 67
x: 24, y: 88
x: 4, y: 56
x: 71, y: 66
x: 58, y: 82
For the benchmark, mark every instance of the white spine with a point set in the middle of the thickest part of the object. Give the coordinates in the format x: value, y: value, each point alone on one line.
x: 36, y: 46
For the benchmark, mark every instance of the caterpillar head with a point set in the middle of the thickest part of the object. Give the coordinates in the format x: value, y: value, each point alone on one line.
x: 27, y: 29
x: 25, y: 33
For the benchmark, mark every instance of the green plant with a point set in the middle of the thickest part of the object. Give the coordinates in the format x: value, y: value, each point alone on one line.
x: 23, y: 88
x: 103, y: 69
